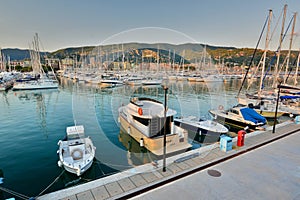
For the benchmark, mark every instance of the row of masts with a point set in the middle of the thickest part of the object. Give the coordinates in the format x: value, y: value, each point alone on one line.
x: 284, y: 68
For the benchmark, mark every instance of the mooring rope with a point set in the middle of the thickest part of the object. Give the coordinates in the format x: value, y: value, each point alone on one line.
x: 21, y: 196
x: 50, y: 184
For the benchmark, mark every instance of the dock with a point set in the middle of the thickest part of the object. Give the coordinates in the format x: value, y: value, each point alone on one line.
x: 187, y: 173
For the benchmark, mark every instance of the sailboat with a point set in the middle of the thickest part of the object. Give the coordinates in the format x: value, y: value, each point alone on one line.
x: 263, y: 101
x: 40, y: 80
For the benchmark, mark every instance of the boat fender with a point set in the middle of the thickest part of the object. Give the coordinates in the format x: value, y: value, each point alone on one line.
x: 128, y: 130
x: 59, y: 142
x: 221, y: 107
x: 140, y: 111
x: 141, y: 142
x: 59, y: 163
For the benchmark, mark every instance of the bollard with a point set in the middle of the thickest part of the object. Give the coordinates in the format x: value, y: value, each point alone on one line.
x: 241, y: 138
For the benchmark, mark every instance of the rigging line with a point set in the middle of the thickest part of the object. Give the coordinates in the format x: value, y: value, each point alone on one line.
x: 275, y: 53
x: 290, y: 69
x: 252, y: 58
x: 51, y: 184
x: 14, y: 193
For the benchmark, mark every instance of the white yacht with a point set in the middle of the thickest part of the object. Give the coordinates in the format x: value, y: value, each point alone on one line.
x: 202, y: 127
x: 143, y: 119
x: 76, y: 152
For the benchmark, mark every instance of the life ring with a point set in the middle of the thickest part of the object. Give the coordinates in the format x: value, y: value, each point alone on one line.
x: 221, y: 107
x: 77, y: 154
x: 140, y: 111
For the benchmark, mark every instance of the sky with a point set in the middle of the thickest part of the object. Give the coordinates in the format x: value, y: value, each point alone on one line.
x: 75, y: 23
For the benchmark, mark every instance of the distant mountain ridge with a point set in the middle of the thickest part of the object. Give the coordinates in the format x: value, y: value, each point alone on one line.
x: 16, y: 54
x: 21, y: 54
x: 190, y: 51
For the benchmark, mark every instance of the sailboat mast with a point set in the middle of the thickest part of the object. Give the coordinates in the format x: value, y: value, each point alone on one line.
x: 265, y: 54
x: 290, y: 47
x: 279, y: 48
x: 296, y: 71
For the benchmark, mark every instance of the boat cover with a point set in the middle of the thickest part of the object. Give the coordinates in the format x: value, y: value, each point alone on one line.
x: 289, y: 97
x: 252, y: 115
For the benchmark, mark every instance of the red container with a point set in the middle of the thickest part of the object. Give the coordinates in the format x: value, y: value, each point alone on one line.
x: 241, y: 138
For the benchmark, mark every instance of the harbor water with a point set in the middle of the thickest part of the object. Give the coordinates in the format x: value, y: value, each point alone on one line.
x: 32, y: 122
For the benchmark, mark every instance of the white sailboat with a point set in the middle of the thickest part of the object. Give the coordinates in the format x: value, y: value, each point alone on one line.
x: 40, y: 80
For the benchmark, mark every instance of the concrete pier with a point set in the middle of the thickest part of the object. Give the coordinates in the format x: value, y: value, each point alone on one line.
x: 266, y: 167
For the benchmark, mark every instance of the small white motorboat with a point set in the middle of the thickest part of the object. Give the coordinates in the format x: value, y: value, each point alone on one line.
x: 76, y: 152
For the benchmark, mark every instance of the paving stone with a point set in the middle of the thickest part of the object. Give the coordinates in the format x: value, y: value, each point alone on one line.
x: 126, y: 184
x: 87, y: 195
x: 183, y: 165
x: 174, y: 168
x: 191, y: 163
x: 100, y: 193
x: 73, y: 197
x: 149, y: 177
x: 198, y: 160
x: 166, y: 173
x: 138, y: 180
x: 113, y: 188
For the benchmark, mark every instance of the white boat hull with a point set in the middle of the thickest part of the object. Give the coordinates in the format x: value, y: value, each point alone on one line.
x: 35, y: 85
x: 174, y: 142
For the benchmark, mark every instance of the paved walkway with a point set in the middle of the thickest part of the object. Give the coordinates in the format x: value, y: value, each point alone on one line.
x: 269, y: 172
x: 146, y: 177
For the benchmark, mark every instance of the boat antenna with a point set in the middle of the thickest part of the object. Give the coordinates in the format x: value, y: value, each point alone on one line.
x: 252, y: 58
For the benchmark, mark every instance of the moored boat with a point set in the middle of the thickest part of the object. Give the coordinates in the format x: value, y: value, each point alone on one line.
x: 240, y: 118
x: 76, y: 152
x: 143, y: 119
x: 202, y: 127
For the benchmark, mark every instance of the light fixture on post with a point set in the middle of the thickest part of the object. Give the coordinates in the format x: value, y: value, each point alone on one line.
x: 165, y: 87
x: 279, y: 80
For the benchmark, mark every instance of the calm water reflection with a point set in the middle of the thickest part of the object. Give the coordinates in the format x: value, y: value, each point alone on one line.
x: 32, y: 122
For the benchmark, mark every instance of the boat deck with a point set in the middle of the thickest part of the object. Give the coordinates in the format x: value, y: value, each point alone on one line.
x: 143, y: 178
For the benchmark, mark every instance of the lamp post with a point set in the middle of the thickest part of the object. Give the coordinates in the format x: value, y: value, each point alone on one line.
x: 165, y: 88
x: 279, y: 80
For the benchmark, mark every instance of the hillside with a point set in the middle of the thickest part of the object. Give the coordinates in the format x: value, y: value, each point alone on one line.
x: 229, y: 55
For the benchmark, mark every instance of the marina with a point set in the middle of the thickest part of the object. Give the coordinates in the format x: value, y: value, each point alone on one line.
x: 119, y: 104
x: 147, y: 180
x: 45, y: 114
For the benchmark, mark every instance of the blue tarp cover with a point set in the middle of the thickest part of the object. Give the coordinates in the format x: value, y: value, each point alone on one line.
x: 252, y: 115
x: 289, y: 97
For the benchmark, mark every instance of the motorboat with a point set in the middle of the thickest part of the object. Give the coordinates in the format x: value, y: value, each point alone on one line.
x: 238, y: 118
x: 110, y: 82
x: 76, y: 152
x: 201, y: 126
x: 144, y: 120
x: 151, y: 82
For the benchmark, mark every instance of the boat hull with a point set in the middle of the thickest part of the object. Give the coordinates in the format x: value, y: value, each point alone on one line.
x: 76, y: 157
x: 235, y: 125
x: 174, y: 143
x: 34, y: 86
